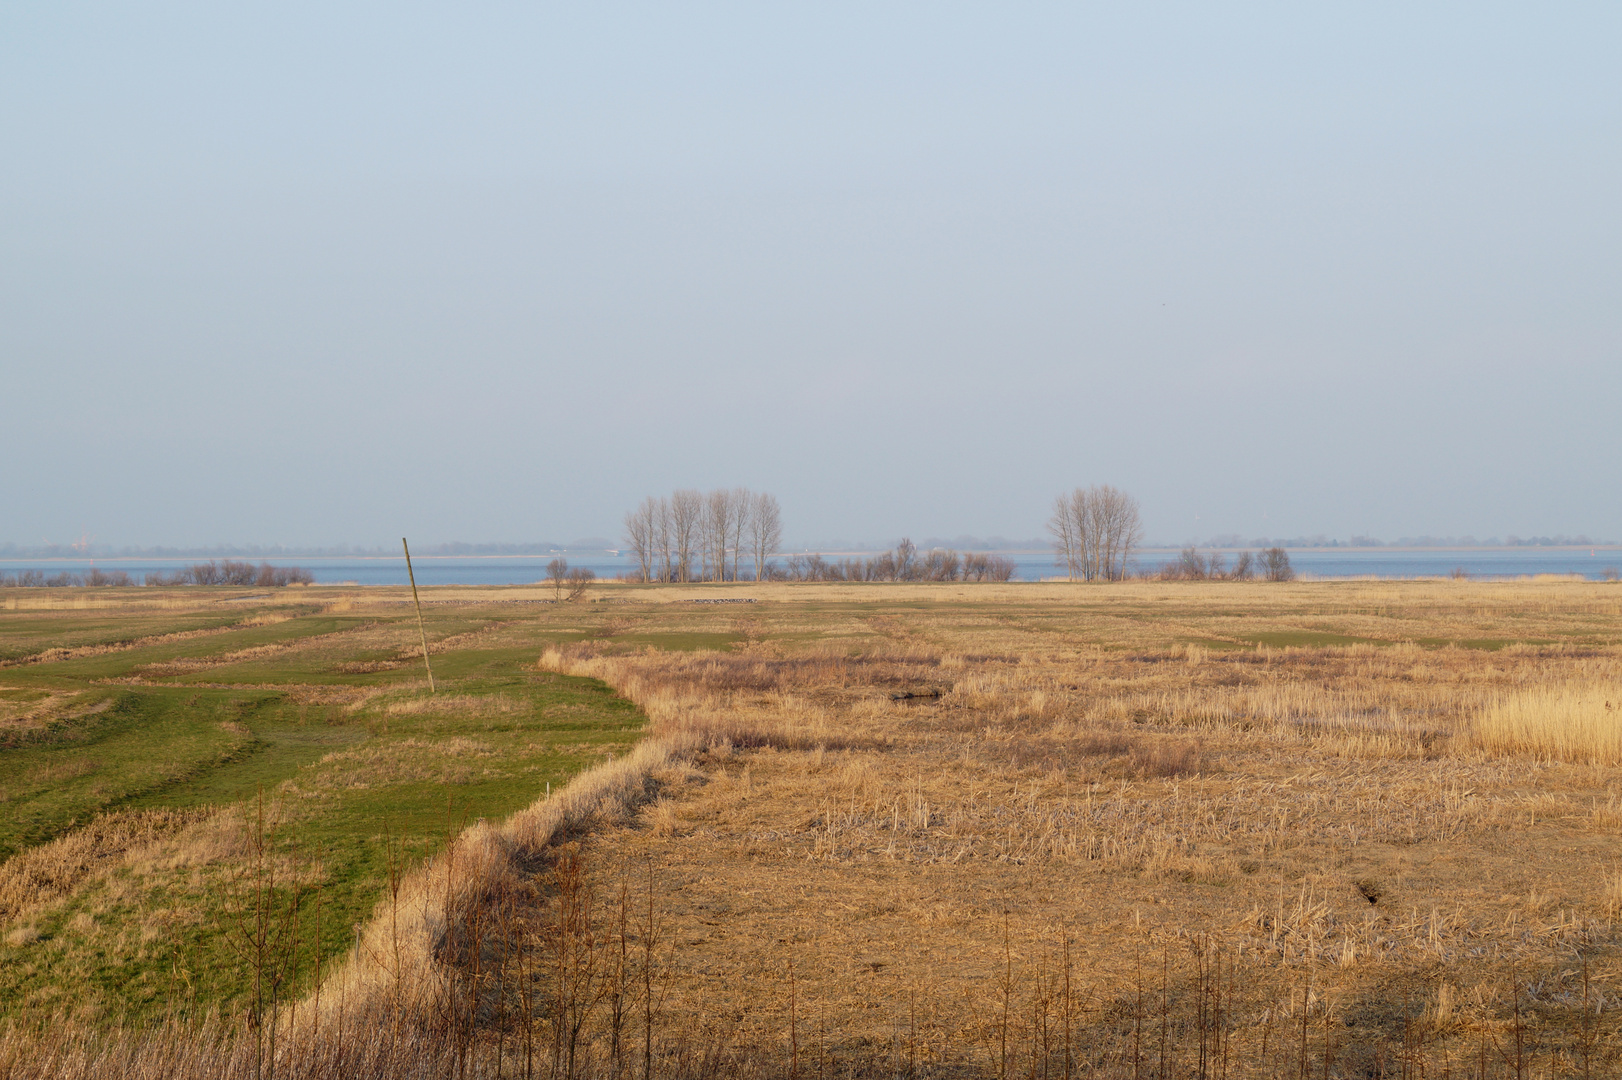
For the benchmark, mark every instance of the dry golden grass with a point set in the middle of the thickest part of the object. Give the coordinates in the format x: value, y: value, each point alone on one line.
x: 1571, y: 722
x: 1089, y: 781
x: 42, y: 874
x: 1142, y: 830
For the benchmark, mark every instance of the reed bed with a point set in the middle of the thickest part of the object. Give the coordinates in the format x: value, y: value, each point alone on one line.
x: 1564, y: 722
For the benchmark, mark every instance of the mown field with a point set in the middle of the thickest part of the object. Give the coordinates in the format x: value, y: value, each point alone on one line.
x: 1332, y: 829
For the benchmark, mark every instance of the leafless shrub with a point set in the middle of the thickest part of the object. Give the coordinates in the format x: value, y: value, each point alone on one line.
x: 1192, y: 564
x: 984, y: 567
x: 902, y: 563
x: 268, y: 576
x: 237, y: 573
x: 578, y: 581
x: 940, y: 565
x: 1276, y: 565
x: 232, y: 573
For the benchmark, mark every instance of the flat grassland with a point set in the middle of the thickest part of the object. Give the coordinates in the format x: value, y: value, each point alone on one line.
x: 1142, y: 827
x: 1151, y: 829
x: 164, y: 759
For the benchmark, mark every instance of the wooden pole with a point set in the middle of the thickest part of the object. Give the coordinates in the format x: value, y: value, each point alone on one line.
x: 420, y: 630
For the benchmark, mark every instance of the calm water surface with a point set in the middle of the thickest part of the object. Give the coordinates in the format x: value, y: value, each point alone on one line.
x: 520, y: 570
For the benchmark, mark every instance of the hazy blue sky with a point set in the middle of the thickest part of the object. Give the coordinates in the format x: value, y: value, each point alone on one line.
x: 336, y: 272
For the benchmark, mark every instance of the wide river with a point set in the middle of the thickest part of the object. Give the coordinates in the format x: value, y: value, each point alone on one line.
x: 1032, y: 565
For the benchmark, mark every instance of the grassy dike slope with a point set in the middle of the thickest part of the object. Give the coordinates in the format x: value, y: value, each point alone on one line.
x: 168, y: 774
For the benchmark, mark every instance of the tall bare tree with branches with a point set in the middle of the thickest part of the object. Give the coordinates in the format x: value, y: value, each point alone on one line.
x: 1065, y: 525
x: 662, y: 533
x: 765, y: 530
x: 640, y: 529
x: 717, y: 528
x: 686, y: 530
x: 738, y: 524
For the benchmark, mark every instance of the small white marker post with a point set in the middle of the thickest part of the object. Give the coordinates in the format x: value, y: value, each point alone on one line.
x: 420, y: 630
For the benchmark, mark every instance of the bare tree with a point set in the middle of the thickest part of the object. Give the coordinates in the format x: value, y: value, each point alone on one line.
x: 906, y: 560
x: 640, y: 527
x: 557, y: 572
x: 686, y: 525
x: 738, y: 524
x: 765, y: 530
x: 662, y: 533
x: 718, y: 511
x: 1065, y: 525
x: 1119, y: 530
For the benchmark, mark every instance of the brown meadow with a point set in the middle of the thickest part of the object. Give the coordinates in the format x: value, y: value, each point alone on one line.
x: 1133, y: 830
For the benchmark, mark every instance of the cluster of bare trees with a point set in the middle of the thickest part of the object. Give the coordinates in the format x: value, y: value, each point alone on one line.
x: 1094, y: 531
x: 208, y: 573
x: 1272, y: 564
x: 38, y: 579
x: 903, y: 563
x: 704, y: 537
x: 228, y: 572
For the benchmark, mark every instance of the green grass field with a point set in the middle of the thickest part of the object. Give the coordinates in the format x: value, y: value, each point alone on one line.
x: 314, y: 718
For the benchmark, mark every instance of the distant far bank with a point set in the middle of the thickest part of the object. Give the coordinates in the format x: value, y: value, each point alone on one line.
x: 85, y: 551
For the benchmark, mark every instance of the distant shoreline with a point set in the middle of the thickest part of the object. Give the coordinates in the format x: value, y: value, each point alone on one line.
x: 597, y: 553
